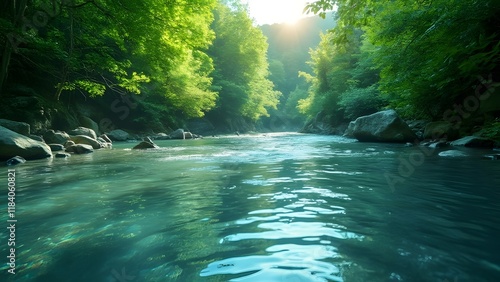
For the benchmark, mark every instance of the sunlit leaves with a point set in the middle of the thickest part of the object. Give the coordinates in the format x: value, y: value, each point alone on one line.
x: 241, y: 68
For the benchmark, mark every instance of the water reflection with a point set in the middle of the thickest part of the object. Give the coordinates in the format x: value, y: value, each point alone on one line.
x: 274, y: 208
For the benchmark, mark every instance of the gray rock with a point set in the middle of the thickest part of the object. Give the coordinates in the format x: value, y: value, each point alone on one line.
x: 492, y: 157
x: 56, y: 147
x: 439, y: 130
x: 439, y: 144
x: 452, y: 154
x: 89, y: 123
x: 62, y: 155
x: 80, y: 149
x: 14, y: 144
x: 83, y: 139
x: 15, y: 161
x: 385, y: 126
x: 188, y: 135
x: 118, y: 135
x: 16, y: 126
x: 104, y: 143
x: 36, y: 137
x: 106, y: 138
x: 69, y: 143
x: 163, y: 137
x: 56, y: 137
x: 145, y: 145
x: 83, y: 131
x: 473, y: 141
x: 177, y: 134
x: 349, y: 132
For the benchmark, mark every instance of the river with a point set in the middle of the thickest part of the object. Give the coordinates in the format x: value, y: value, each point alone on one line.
x: 275, y: 207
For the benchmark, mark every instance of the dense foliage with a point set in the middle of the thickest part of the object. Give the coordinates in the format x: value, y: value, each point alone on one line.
x: 288, y: 54
x: 420, y: 57
x: 163, y: 51
x: 98, y: 46
x: 241, y: 67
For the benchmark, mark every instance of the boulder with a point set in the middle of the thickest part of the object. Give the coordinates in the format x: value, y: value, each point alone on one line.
x: 167, y: 137
x: 15, y: 161
x: 83, y: 139
x: 62, y: 155
x: 104, y: 143
x: 14, y: 144
x: 118, y: 135
x: 439, y: 130
x: 83, y: 131
x: 16, y: 126
x: 474, y: 141
x: 439, y: 144
x: 36, y: 137
x: 188, y: 135
x: 80, y: 149
x: 177, y: 134
x: 89, y: 123
x: 56, y: 147
x: 145, y: 145
x: 350, y: 130
x: 56, y: 137
x: 105, y: 138
x: 69, y: 143
x: 385, y: 126
x: 452, y: 154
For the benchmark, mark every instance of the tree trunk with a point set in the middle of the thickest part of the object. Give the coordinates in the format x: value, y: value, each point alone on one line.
x: 16, y: 18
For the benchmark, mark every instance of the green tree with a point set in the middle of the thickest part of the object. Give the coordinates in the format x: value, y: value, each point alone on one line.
x: 429, y: 53
x: 151, y: 47
x: 241, y: 67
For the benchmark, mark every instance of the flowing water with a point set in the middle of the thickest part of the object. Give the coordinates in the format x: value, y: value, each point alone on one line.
x: 277, y: 207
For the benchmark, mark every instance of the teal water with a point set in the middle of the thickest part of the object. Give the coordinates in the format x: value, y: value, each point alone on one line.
x: 277, y: 207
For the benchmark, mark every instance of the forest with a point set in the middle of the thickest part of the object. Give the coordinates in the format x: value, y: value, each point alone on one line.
x: 430, y: 60
x: 157, y: 64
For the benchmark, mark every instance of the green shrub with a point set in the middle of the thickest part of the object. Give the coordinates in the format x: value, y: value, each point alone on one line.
x: 358, y: 102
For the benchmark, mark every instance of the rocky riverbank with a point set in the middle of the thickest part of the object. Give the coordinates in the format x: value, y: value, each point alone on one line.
x: 17, y: 144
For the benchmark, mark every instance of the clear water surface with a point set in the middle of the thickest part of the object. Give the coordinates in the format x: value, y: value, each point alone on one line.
x: 276, y: 207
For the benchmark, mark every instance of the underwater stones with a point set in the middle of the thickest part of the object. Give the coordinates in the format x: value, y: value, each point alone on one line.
x: 15, y: 161
x: 492, y: 157
x: 62, y: 155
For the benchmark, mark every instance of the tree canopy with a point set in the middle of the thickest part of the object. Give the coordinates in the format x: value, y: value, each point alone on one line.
x: 420, y: 57
x: 241, y: 68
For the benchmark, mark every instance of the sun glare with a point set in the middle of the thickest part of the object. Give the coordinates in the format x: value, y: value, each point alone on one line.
x: 276, y: 11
